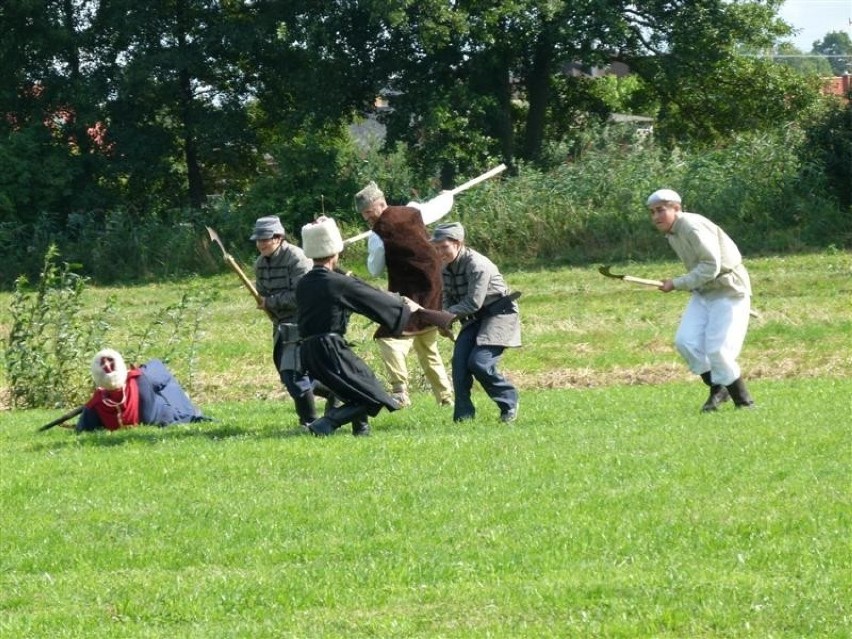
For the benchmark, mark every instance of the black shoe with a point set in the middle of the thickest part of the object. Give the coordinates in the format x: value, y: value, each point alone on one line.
x: 322, y: 427
x: 740, y: 395
x: 360, y: 429
x: 718, y: 396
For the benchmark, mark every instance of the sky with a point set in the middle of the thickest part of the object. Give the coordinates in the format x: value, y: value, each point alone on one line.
x: 815, y: 18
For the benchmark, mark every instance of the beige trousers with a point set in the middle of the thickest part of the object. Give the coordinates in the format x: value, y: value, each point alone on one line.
x: 393, y: 351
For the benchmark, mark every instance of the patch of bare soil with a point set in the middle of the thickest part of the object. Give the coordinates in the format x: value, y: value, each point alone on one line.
x: 257, y: 382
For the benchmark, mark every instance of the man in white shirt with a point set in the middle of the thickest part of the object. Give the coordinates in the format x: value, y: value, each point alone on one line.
x: 714, y: 324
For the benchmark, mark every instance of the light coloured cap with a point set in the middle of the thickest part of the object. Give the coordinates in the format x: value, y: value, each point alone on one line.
x: 663, y: 195
x: 448, y: 231
x: 366, y: 196
x: 266, y: 227
x: 321, y: 238
x: 108, y: 369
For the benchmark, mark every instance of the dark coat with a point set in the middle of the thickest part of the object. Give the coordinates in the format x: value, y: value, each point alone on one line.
x: 325, y: 300
x: 413, y: 265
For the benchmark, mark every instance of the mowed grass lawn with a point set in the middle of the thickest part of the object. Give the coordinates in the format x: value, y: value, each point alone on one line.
x: 610, y: 509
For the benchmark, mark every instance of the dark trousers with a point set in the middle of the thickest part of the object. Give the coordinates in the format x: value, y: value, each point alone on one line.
x: 470, y: 362
x: 298, y: 384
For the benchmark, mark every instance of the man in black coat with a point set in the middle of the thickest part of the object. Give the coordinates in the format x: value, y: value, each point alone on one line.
x: 325, y: 299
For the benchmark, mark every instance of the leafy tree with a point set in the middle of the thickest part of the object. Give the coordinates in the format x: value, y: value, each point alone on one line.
x: 146, y: 99
x: 50, y: 150
x: 837, y: 45
x: 829, y: 147
x: 475, y: 79
x: 176, y: 96
x: 813, y: 65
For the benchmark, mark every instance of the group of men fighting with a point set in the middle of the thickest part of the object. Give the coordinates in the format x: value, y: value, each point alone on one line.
x: 432, y: 282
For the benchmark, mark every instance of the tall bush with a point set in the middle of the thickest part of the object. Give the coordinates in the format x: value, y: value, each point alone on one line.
x: 49, y: 337
x: 52, y: 337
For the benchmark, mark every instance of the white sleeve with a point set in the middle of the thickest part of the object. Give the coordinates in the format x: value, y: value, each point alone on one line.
x: 375, y: 255
x: 436, y: 208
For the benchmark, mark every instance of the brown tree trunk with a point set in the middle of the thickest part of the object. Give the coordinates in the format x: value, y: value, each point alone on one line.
x: 538, y: 95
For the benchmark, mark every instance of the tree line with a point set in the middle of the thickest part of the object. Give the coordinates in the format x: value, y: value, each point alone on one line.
x: 116, y: 110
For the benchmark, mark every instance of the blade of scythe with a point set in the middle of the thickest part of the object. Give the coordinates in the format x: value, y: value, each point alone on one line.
x: 230, y: 261
x: 607, y: 272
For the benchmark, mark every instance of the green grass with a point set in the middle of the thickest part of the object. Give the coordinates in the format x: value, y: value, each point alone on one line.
x: 610, y: 509
x: 602, y: 512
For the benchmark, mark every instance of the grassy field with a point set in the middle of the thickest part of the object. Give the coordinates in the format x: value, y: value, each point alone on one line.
x: 610, y: 509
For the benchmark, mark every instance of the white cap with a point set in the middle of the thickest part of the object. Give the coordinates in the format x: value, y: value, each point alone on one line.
x: 108, y: 369
x: 663, y: 195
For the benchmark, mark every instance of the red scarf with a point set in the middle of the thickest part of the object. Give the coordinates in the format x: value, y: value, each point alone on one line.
x: 118, y: 408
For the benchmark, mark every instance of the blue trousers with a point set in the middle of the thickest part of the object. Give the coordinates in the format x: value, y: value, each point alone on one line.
x: 470, y: 362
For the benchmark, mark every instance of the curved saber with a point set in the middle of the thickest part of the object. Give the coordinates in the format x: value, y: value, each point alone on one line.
x: 459, y: 189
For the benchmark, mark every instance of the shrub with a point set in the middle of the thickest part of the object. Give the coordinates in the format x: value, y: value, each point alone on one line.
x: 52, y: 339
x: 49, y: 337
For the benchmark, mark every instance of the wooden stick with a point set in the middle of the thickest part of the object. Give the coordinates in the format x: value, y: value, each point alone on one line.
x: 230, y: 261
x: 64, y: 418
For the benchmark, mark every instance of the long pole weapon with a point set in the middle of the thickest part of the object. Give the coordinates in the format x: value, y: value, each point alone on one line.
x: 462, y: 187
x: 230, y: 261
x: 63, y: 419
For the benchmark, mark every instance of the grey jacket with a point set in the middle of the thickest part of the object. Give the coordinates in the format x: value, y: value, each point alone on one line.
x: 472, y: 281
x: 276, y: 278
x: 714, y: 264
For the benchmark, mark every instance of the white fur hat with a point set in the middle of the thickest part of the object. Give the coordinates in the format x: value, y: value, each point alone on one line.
x: 108, y: 369
x: 321, y: 238
x: 663, y: 195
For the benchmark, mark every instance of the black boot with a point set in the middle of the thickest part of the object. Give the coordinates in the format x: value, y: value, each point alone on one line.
x: 360, y: 427
x: 718, y: 394
x: 322, y: 427
x: 336, y: 417
x: 306, y: 408
x: 324, y: 391
x: 739, y: 393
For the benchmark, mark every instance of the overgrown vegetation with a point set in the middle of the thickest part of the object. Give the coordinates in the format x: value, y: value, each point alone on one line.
x: 776, y: 192
x: 50, y: 336
x: 116, y: 140
x: 54, y: 332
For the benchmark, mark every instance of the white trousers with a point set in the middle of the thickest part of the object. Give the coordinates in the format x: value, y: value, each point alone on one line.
x: 711, y: 335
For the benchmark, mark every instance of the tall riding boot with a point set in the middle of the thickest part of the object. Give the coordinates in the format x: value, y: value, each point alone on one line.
x: 740, y: 395
x: 324, y: 391
x: 331, y: 403
x: 306, y: 408
x: 718, y: 394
